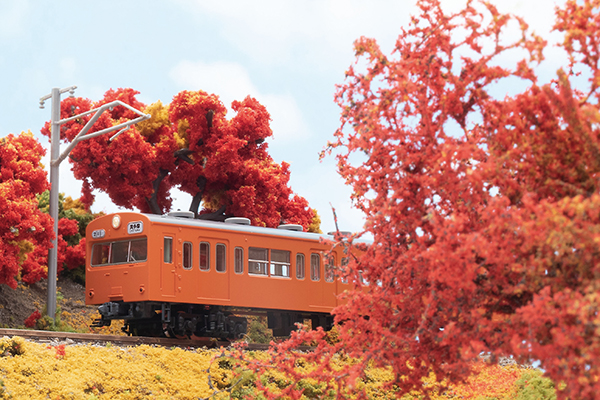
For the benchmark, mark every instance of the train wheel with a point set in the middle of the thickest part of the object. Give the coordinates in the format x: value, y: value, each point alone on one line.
x: 148, y: 328
x: 168, y: 331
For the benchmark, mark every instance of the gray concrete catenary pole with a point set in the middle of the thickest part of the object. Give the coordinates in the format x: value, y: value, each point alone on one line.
x: 54, y: 176
x: 56, y: 158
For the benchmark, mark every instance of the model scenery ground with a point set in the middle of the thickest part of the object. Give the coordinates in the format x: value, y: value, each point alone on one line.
x: 37, y: 370
x: 16, y: 305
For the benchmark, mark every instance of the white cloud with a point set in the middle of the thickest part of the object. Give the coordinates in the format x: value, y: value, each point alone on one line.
x: 67, y: 183
x: 287, y: 121
x: 539, y: 15
x: 231, y: 81
x: 272, y: 32
x: 324, y: 188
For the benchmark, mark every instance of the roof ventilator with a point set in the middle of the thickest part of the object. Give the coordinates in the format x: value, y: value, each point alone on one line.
x: 181, y: 214
x: 291, y: 227
x: 343, y: 233
x: 238, y: 220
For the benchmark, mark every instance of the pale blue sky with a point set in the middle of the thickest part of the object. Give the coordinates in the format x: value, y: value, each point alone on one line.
x: 289, y: 55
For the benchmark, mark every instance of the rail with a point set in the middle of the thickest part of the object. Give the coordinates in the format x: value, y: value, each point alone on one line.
x: 52, y: 336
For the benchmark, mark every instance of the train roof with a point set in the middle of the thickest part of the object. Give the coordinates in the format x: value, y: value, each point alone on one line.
x: 236, y: 227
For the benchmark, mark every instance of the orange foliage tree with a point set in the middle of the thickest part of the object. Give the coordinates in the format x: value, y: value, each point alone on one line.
x: 485, y: 211
x: 189, y: 144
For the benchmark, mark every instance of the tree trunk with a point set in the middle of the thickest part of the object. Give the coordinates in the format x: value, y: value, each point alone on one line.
x: 201, y: 182
x: 153, y: 200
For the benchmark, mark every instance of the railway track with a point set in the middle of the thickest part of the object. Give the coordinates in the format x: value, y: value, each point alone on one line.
x: 74, y: 338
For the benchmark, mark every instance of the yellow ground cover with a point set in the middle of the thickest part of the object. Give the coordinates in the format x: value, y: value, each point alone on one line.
x: 37, y: 371
x: 111, y: 372
x: 81, y: 321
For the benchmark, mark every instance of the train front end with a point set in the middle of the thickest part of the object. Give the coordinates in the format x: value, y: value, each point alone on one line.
x: 118, y: 253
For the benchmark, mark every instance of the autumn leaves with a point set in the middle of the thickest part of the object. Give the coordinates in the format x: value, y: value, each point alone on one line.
x: 189, y: 144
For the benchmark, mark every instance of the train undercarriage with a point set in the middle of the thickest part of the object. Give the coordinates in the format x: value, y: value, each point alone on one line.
x: 194, y: 320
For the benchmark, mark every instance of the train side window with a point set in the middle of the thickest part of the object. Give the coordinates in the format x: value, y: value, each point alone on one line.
x: 238, y: 260
x: 330, y: 268
x: 187, y: 255
x: 300, y: 266
x: 345, y: 262
x: 221, y: 257
x: 315, y: 267
x: 258, y: 260
x: 280, y: 263
x: 168, y: 251
x: 204, y: 256
x: 362, y: 278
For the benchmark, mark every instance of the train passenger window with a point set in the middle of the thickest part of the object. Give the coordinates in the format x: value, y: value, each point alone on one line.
x: 239, y: 260
x: 330, y: 268
x: 315, y: 267
x: 345, y: 262
x: 258, y: 260
x: 221, y: 253
x: 187, y: 255
x: 362, y: 279
x: 204, y: 256
x: 280, y: 263
x: 168, y: 255
x: 300, y: 266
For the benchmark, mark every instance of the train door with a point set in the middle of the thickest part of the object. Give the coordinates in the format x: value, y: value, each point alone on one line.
x: 168, y: 264
x: 323, y: 280
x: 330, y: 284
x: 216, y: 263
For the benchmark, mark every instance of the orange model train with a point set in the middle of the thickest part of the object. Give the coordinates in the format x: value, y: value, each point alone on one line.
x: 178, y: 276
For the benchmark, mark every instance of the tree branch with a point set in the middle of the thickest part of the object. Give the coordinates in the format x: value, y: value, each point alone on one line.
x: 218, y: 215
x: 183, y: 154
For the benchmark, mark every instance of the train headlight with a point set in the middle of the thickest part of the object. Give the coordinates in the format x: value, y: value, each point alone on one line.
x: 116, y: 222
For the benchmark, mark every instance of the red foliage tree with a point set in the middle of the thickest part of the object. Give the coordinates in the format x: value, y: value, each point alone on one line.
x: 23, y: 227
x: 484, y: 211
x: 32, y: 320
x: 190, y: 144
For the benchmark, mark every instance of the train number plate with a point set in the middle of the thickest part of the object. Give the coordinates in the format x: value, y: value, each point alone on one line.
x: 135, y: 227
x: 98, y: 234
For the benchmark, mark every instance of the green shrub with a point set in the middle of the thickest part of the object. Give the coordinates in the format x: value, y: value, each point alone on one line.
x: 258, y: 331
x: 12, y: 347
x: 534, y: 386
